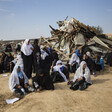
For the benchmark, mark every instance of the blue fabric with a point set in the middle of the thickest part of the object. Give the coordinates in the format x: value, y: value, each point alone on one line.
x: 62, y: 68
x: 77, y: 52
x: 74, y: 62
x: 50, y: 50
x: 20, y: 75
x: 101, y: 63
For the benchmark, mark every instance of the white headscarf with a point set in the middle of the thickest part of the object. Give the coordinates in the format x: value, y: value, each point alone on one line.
x: 88, y: 54
x: 14, y: 80
x: 43, y: 54
x: 20, y: 61
x: 26, y: 49
x: 79, y: 73
x: 57, y: 68
x: 14, y: 61
x: 74, y: 58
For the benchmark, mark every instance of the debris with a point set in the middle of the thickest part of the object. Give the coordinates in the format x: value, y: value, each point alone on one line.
x: 71, y: 35
x: 11, y: 101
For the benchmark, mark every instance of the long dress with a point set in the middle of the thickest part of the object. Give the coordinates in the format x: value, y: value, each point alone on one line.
x: 60, y: 73
x: 90, y: 64
x: 27, y: 56
x: 74, y: 60
x: 36, y: 54
x: 43, y: 81
x: 109, y: 59
x: 14, y: 80
x: 84, y: 74
x: 7, y: 61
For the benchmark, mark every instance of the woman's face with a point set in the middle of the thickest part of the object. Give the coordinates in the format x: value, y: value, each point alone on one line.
x: 59, y: 63
x: 84, y: 56
x: 84, y: 66
x: 28, y: 42
x: 18, y: 70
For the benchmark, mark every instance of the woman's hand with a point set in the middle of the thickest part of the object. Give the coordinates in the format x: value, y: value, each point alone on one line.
x: 73, y: 64
x: 38, y: 90
x: 19, y: 86
x: 32, y: 48
x: 25, y: 85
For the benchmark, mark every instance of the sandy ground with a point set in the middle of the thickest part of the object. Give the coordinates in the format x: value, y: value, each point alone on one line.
x: 97, y: 98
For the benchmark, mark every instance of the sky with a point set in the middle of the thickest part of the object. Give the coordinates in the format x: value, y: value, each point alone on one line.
x: 21, y: 19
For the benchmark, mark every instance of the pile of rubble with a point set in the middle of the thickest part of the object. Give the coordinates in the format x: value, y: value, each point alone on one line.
x: 72, y: 34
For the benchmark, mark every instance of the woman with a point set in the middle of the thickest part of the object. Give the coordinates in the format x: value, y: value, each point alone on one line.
x: 82, y: 77
x: 99, y: 63
x: 36, y: 52
x: 7, y: 62
x: 2, y: 68
x: 20, y: 61
x: 90, y: 63
x: 42, y: 81
x: 45, y: 60
x: 109, y: 59
x: 78, y: 54
x: 27, y: 56
x: 74, y: 63
x: 18, y: 81
x: 60, y: 72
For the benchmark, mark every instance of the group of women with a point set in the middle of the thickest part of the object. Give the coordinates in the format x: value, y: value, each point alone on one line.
x: 49, y: 69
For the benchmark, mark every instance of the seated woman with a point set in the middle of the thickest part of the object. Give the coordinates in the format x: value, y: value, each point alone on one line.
x: 78, y: 54
x: 99, y: 63
x: 74, y: 63
x: 60, y: 72
x: 109, y: 59
x: 82, y: 77
x: 90, y: 63
x: 7, y: 61
x: 2, y: 61
x: 17, y: 61
x: 18, y: 82
x: 42, y: 81
x: 20, y: 61
x: 12, y: 64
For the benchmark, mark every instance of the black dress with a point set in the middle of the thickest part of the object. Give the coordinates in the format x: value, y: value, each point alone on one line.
x: 90, y: 64
x: 7, y: 61
x: 27, y: 61
x: 109, y: 59
x: 56, y: 76
x: 44, y: 81
x: 35, y: 51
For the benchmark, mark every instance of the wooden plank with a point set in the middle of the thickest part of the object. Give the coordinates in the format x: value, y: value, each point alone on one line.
x: 56, y: 48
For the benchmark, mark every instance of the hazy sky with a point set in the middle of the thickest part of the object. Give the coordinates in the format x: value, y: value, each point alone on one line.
x: 20, y: 19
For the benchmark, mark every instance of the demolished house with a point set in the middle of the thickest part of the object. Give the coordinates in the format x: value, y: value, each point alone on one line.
x: 73, y: 34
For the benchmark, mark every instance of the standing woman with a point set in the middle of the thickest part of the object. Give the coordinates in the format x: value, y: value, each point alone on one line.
x: 26, y: 52
x: 36, y: 52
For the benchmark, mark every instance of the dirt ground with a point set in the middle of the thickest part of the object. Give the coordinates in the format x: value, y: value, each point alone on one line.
x: 97, y: 98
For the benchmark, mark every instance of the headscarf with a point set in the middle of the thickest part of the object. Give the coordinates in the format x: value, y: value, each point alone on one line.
x: 26, y: 49
x: 58, y: 68
x: 50, y: 50
x: 20, y: 74
x: 88, y: 53
x: 79, y: 73
x: 20, y: 61
x: 14, y: 80
x: 74, y: 58
x: 77, y: 52
x: 43, y: 54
